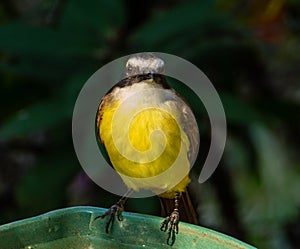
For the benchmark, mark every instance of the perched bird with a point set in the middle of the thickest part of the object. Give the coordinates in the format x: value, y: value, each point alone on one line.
x: 152, y: 138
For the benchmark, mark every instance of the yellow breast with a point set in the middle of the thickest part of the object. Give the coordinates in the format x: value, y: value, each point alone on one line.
x: 143, y: 141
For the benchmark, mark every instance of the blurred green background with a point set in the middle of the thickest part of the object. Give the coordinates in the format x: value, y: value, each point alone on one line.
x: 250, y: 50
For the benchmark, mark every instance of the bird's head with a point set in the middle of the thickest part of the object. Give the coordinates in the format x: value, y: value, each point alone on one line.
x: 144, y: 63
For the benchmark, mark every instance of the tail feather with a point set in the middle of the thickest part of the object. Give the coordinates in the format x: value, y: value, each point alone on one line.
x: 186, y: 209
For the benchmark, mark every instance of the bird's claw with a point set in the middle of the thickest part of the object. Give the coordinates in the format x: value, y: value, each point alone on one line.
x: 114, y: 210
x: 171, y: 224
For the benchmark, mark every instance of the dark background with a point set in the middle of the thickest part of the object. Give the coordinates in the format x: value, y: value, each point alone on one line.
x: 250, y: 50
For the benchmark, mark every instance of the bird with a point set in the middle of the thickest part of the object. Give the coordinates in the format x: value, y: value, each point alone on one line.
x: 152, y: 139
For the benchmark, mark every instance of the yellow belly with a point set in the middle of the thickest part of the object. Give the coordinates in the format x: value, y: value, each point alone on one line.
x: 151, y: 143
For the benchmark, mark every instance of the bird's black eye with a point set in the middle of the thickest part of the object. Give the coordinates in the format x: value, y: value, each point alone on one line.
x: 129, y: 68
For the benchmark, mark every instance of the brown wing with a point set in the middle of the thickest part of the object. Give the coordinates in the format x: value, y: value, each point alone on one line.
x: 105, y: 100
x: 189, y: 124
x: 190, y: 127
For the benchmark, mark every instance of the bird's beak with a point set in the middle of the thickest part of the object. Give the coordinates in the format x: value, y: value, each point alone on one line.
x: 150, y: 75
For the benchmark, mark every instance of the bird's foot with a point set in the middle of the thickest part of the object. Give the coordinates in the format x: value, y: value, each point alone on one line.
x: 114, y: 210
x: 171, y: 224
